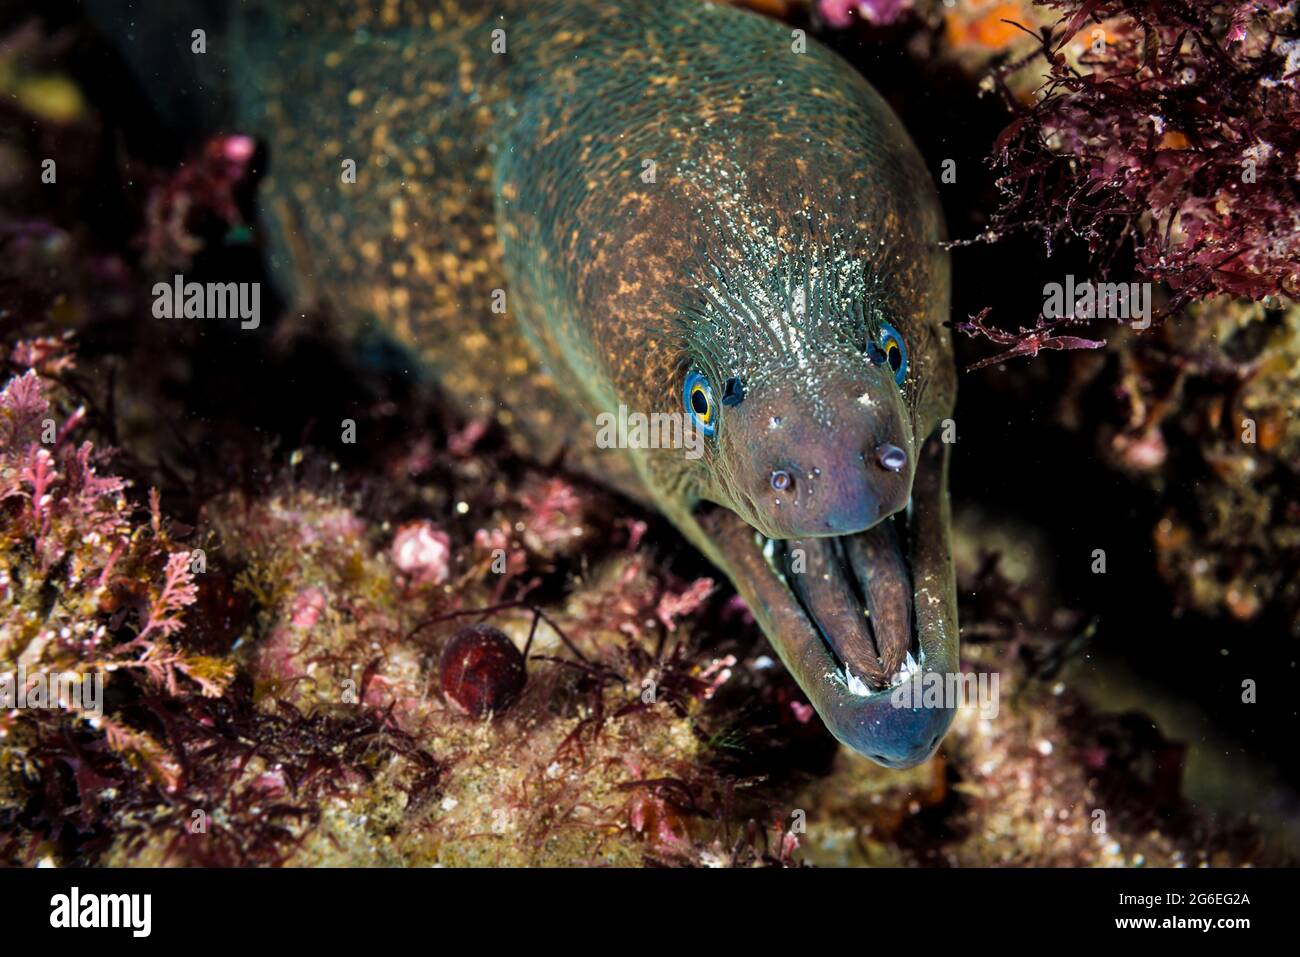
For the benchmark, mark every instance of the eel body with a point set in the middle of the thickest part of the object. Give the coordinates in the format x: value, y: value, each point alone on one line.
x: 669, y: 206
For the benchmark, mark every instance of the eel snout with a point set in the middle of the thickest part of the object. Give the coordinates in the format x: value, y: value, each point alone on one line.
x: 830, y: 465
x: 864, y: 621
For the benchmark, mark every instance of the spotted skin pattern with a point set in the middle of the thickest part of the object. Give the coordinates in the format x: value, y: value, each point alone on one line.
x: 659, y: 186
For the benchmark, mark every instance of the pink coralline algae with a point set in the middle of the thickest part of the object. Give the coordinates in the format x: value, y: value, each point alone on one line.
x: 124, y: 588
x: 307, y: 608
x: 839, y: 13
x: 675, y: 604
x: 422, y: 552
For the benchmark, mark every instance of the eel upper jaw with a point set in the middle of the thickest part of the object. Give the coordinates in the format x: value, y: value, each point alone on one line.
x: 915, y: 633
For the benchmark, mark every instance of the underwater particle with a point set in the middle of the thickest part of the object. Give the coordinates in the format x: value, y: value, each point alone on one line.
x: 481, y: 670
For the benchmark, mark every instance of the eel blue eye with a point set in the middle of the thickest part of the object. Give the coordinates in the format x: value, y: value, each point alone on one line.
x: 895, y: 351
x: 697, y: 397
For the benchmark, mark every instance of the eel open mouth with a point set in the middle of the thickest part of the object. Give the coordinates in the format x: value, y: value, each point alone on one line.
x: 856, y: 589
x: 856, y: 618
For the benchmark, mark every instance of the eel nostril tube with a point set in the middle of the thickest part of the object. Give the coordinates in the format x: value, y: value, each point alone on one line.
x: 891, y: 457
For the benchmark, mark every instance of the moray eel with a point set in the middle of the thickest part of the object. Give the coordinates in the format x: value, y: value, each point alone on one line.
x: 669, y: 206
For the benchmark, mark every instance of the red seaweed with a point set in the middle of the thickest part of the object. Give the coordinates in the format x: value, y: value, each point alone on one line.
x: 1176, y: 134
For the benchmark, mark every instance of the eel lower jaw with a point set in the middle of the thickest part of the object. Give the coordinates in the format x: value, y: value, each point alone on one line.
x: 861, y: 621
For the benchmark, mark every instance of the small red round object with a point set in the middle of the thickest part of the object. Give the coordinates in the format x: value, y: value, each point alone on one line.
x: 481, y: 670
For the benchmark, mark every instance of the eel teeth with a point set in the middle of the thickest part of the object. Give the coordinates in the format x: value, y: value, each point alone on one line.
x: 910, y: 667
x: 856, y: 684
x: 769, y: 548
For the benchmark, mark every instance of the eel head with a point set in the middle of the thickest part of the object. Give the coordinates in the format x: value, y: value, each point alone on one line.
x: 833, y: 523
